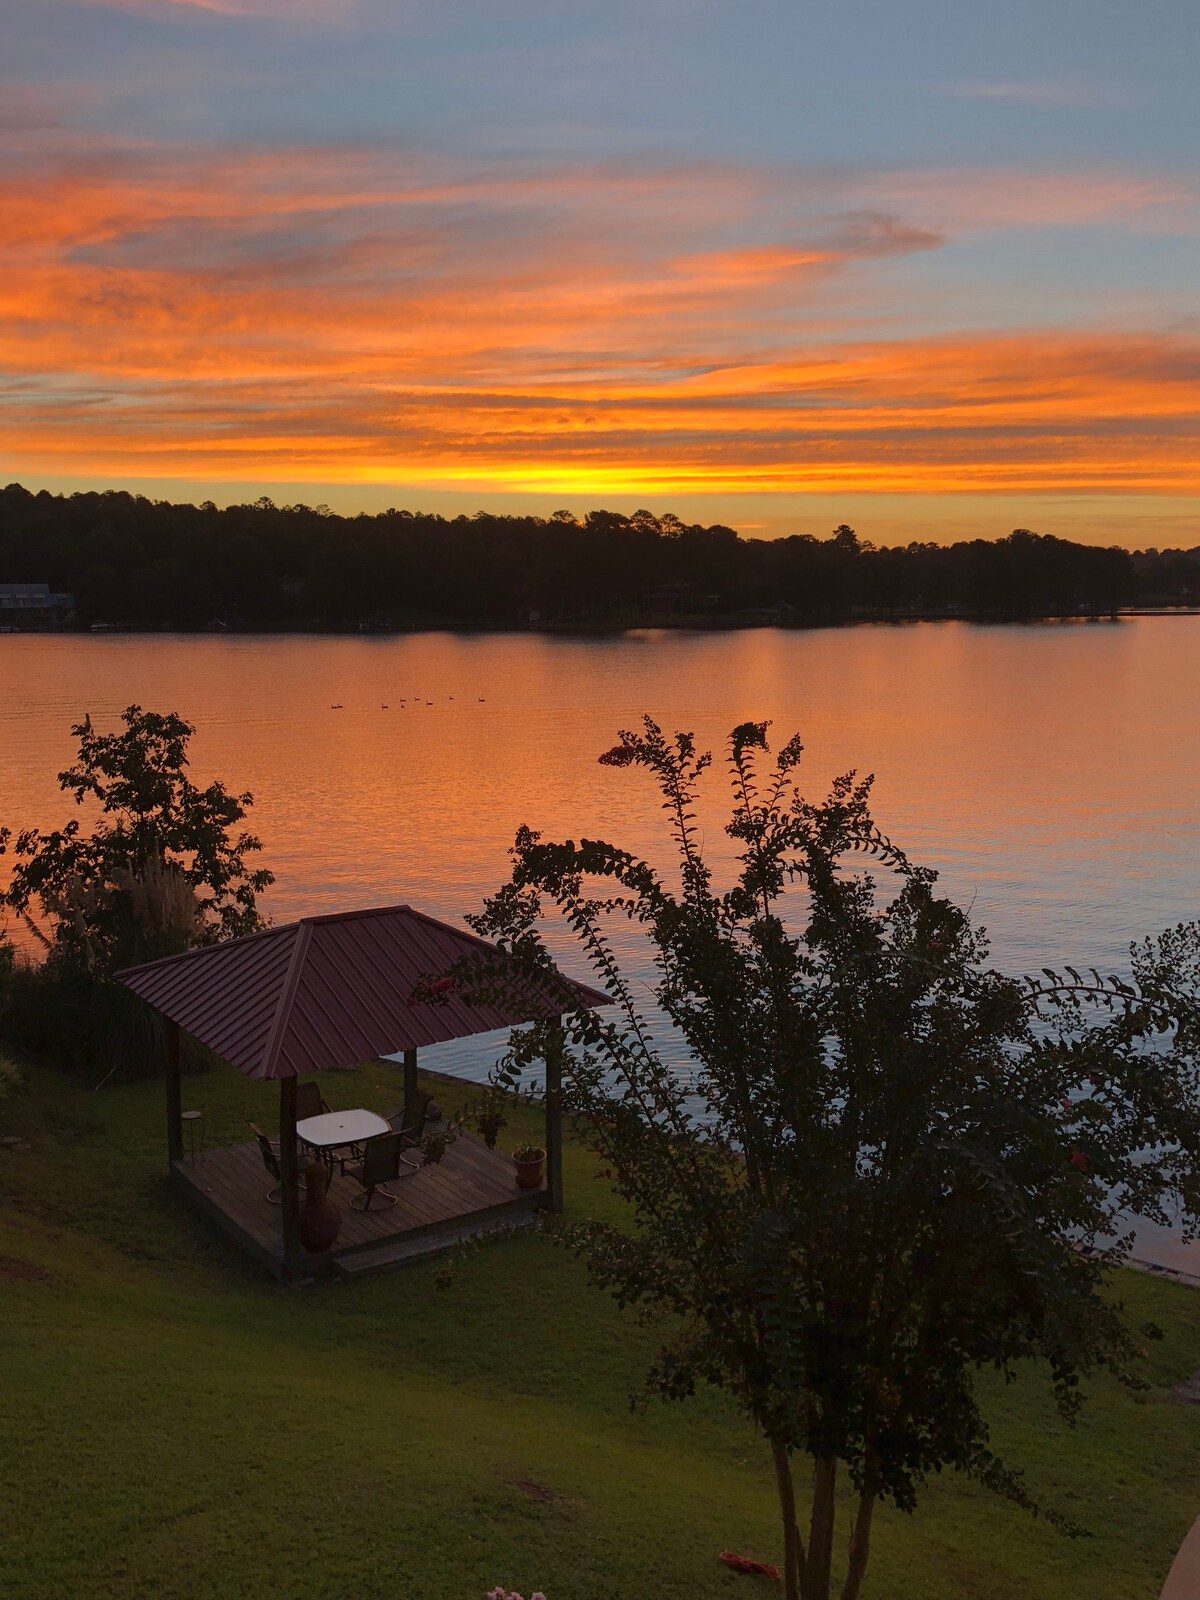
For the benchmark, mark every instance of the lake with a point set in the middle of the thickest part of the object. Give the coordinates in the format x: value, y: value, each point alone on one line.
x: 1050, y: 771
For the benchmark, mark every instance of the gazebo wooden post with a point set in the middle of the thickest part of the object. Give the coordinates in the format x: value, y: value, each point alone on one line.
x: 410, y: 1085
x: 554, y: 1131
x: 287, y: 1166
x: 174, y: 1093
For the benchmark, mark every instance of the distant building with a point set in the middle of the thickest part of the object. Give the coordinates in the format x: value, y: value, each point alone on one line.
x: 22, y: 604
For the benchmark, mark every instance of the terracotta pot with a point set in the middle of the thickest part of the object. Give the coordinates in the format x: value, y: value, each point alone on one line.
x: 529, y: 1173
x: 320, y: 1219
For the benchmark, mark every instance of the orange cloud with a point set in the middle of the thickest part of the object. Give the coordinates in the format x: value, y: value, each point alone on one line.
x: 364, y: 316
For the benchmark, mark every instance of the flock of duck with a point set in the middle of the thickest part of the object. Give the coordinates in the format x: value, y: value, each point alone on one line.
x: 403, y: 703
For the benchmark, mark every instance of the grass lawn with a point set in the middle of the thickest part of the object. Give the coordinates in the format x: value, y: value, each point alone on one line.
x: 173, y: 1424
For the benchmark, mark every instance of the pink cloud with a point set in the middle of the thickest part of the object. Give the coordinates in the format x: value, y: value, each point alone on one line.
x: 998, y: 197
x: 224, y: 7
x: 328, y: 11
x: 1043, y: 91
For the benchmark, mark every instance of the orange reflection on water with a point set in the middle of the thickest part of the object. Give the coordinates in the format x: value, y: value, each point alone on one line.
x: 1050, y: 771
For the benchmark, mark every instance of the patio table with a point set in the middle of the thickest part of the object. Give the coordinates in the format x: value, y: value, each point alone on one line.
x: 335, y: 1130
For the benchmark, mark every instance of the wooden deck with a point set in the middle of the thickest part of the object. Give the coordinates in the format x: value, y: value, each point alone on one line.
x: 470, y: 1189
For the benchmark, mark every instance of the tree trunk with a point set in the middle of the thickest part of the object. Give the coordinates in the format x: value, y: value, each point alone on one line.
x: 793, y: 1549
x: 860, y: 1544
x: 815, y: 1584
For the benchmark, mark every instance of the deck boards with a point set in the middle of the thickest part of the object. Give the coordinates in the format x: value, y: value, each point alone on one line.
x: 471, y: 1183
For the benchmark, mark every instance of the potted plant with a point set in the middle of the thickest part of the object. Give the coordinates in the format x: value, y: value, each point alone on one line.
x: 434, y: 1145
x: 530, y: 1162
x: 320, y: 1219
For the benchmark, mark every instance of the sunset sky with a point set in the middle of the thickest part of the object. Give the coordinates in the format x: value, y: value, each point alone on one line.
x: 932, y: 269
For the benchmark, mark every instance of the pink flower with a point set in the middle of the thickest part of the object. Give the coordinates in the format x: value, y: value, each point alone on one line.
x: 442, y: 986
x: 1079, y: 1160
x: 749, y: 1565
x: 1065, y: 1103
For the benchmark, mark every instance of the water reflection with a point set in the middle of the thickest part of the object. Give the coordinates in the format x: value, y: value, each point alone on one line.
x: 1050, y: 771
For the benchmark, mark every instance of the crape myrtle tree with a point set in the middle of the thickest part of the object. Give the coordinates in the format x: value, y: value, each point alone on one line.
x: 162, y: 867
x: 893, y: 1167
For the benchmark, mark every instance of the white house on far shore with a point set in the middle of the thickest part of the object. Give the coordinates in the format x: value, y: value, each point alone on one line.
x: 25, y: 603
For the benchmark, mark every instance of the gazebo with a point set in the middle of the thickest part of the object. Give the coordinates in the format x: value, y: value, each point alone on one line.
x: 334, y: 991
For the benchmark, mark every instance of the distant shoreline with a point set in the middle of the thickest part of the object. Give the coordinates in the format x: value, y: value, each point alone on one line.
x: 582, y: 626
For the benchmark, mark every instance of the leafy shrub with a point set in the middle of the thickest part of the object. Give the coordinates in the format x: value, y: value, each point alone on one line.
x: 11, y: 1078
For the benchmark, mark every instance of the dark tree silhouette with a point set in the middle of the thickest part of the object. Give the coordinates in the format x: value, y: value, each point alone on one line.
x: 140, y: 562
x: 890, y: 1169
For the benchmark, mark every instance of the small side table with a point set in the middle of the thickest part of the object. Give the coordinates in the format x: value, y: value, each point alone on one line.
x: 193, y: 1121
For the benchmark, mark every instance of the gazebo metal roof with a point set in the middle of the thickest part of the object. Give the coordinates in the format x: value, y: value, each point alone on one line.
x: 331, y: 991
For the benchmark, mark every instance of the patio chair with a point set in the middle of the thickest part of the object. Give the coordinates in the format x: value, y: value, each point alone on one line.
x: 411, y: 1128
x: 270, y: 1156
x: 310, y: 1102
x: 380, y: 1164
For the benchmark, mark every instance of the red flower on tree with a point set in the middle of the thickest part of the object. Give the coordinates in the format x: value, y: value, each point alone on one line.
x: 1079, y: 1160
x: 430, y: 993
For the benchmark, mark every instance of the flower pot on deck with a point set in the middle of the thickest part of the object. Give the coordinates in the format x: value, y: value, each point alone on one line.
x: 531, y: 1166
x: 320, y: 1219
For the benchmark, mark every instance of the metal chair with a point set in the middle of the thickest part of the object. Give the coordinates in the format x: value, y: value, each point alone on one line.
x: 380, y: 1164
x: 270, y: 1158
x: 409, y: 1122
x: 310, y: 1102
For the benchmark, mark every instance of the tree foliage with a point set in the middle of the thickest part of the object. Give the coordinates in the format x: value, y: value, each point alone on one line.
x: 893, y: 1167
x: 131, y: 560
x: 160, y: 868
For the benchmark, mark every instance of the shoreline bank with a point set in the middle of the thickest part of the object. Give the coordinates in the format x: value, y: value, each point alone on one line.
x: 602, y: 628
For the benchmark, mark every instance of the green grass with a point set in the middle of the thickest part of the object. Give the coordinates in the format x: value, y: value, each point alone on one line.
x: 174, y: 1425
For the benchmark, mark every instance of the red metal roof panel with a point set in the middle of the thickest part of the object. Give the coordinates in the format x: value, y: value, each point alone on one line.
x: 330, y: 991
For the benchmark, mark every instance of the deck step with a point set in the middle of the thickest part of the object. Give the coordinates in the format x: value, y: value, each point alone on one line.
x: 405, y: 1251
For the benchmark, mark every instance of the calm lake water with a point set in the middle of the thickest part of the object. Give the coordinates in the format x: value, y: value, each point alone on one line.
x: 1051, y: 772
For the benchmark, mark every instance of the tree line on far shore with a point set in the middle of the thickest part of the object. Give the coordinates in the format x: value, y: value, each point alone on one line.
x: 129, y: 560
